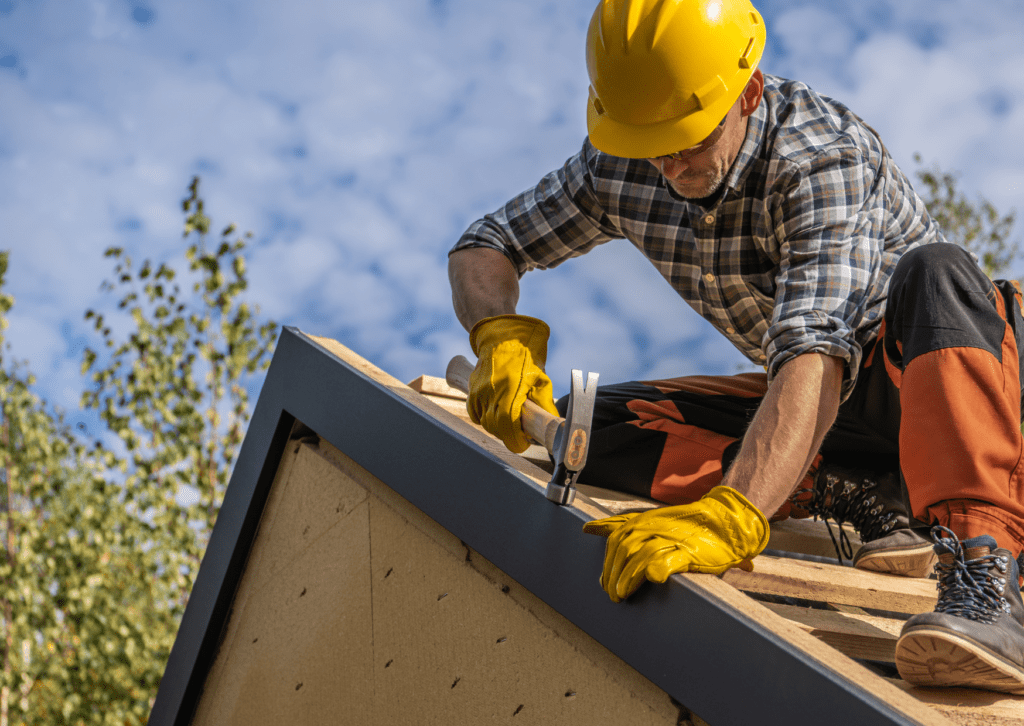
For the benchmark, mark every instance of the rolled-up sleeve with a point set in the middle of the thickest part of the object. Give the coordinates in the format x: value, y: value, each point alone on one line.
x: 560, y: 218
x: 830, y: 224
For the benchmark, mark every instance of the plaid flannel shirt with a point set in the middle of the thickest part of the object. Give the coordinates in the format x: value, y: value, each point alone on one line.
x: 794, y: 255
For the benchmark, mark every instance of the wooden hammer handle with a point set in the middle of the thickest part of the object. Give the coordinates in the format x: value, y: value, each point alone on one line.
x: 538, y: 424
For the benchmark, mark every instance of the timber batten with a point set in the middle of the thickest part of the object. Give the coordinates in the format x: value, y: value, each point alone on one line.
x: 698, y: 640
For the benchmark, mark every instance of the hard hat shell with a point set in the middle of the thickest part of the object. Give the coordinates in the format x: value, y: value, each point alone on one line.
x: 663, y: 73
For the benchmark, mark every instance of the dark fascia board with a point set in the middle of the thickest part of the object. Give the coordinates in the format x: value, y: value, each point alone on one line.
x: 703, y: 652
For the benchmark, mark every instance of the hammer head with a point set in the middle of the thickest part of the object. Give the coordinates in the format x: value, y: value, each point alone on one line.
x: 573, y: 439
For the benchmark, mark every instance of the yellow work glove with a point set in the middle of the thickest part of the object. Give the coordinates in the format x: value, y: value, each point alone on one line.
x: 511, y: 351
x: 720, y: 530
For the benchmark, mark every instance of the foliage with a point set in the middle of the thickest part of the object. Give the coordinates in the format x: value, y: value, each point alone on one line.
x: 103, y: 541
x: 979, y: 227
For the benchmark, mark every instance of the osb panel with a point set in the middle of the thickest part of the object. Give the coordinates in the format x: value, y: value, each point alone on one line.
x: 378, y: 615
x: 299, y: 639
x: 450, y: 647
x: 586, y: 647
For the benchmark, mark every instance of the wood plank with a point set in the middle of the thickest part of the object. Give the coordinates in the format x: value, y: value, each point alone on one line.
x: 833, y: 583
x: 618, y: 502
x: 434, y: 386
x: 968, y: 706
x: 455, y: 407
x: 826, y: 655
x: 867, y: 637
x: 808, y: 537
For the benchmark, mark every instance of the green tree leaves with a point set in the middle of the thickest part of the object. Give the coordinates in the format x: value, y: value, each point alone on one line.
x: 979, y: 226
x: 103, y: 539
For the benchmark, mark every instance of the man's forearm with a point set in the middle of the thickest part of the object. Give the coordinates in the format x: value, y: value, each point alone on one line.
x: 484, y: 284
x: 782, y: 440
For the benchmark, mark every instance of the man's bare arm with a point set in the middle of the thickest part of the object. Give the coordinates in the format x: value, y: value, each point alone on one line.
x: 787, y: 430
x: 484, y: 283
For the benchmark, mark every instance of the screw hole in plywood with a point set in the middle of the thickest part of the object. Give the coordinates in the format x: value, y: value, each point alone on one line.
x: 298, y: 687
x: 516, y: 712
x: 505, y: 589
x: 255, y: 639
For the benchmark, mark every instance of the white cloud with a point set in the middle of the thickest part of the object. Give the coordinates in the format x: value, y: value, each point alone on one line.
x: 935, y: 78
x: 358, y: 141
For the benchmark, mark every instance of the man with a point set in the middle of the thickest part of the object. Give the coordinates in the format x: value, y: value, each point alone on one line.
x: 781, y: 218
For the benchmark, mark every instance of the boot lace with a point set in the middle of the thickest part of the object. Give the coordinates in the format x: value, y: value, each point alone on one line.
x: 847, y: 499
x: 970, y: 588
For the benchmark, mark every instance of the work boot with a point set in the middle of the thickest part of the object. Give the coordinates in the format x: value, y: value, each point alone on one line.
x: 975, y: 636
x: 873, y: 503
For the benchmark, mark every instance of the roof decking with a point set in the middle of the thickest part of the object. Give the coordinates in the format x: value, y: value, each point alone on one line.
x: 700, y: 639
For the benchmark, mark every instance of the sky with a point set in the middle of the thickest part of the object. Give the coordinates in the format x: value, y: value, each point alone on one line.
x: 358, y: 140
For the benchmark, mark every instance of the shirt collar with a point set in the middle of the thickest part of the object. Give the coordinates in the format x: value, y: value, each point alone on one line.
x: 756, y: 123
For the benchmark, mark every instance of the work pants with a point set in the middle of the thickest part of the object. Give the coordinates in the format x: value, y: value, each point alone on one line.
x: 938, y: 395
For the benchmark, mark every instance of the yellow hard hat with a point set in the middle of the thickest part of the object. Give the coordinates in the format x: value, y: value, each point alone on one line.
x: 663, y: 73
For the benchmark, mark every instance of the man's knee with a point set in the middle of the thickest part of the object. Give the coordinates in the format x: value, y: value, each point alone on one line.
x: 940, y: 298
x: 941, y: 261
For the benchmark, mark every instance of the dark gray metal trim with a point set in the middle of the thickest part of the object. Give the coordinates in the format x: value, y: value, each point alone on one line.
x: 705, y: 654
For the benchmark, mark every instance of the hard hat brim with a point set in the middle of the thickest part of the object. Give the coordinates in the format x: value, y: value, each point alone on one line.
x: 647, y: 141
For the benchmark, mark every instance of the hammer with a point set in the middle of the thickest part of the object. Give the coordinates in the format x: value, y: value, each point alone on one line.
x: 567, y: 439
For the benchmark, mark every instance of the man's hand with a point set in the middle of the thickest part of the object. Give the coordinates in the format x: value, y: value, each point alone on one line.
x: 512, y: 350
x: 719, y: 531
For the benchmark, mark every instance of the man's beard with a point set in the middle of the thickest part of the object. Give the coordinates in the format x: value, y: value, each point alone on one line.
x: 709, y: 188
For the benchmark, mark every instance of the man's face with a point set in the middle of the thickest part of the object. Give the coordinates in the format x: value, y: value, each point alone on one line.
x: 700, y: 173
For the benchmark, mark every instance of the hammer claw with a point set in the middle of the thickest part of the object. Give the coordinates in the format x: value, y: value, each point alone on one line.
x: 573, y: 438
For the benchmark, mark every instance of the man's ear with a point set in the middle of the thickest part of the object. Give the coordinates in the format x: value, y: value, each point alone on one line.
x: 750, y: 99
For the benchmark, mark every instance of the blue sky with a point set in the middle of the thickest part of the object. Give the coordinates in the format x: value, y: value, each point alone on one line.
x: 358, y: 140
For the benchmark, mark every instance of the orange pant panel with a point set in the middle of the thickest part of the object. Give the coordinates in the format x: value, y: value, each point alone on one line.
x: 959, y: 440
x: 691, y: 462
x: 969, y: 518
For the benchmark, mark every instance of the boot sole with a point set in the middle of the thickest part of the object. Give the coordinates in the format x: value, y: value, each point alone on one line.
x: 935, y: 657
x: 906, y: 561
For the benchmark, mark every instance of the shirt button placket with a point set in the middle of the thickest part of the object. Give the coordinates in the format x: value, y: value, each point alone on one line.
x: 706, y: 239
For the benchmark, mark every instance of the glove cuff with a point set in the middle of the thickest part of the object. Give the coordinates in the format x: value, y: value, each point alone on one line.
x: 752, y: 527
x: 531, y: 332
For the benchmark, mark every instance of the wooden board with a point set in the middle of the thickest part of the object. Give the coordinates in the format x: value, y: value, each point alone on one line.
x: 831, y: 583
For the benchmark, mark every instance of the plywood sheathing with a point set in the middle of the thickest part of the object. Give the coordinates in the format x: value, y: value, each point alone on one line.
x: 357, y: 608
